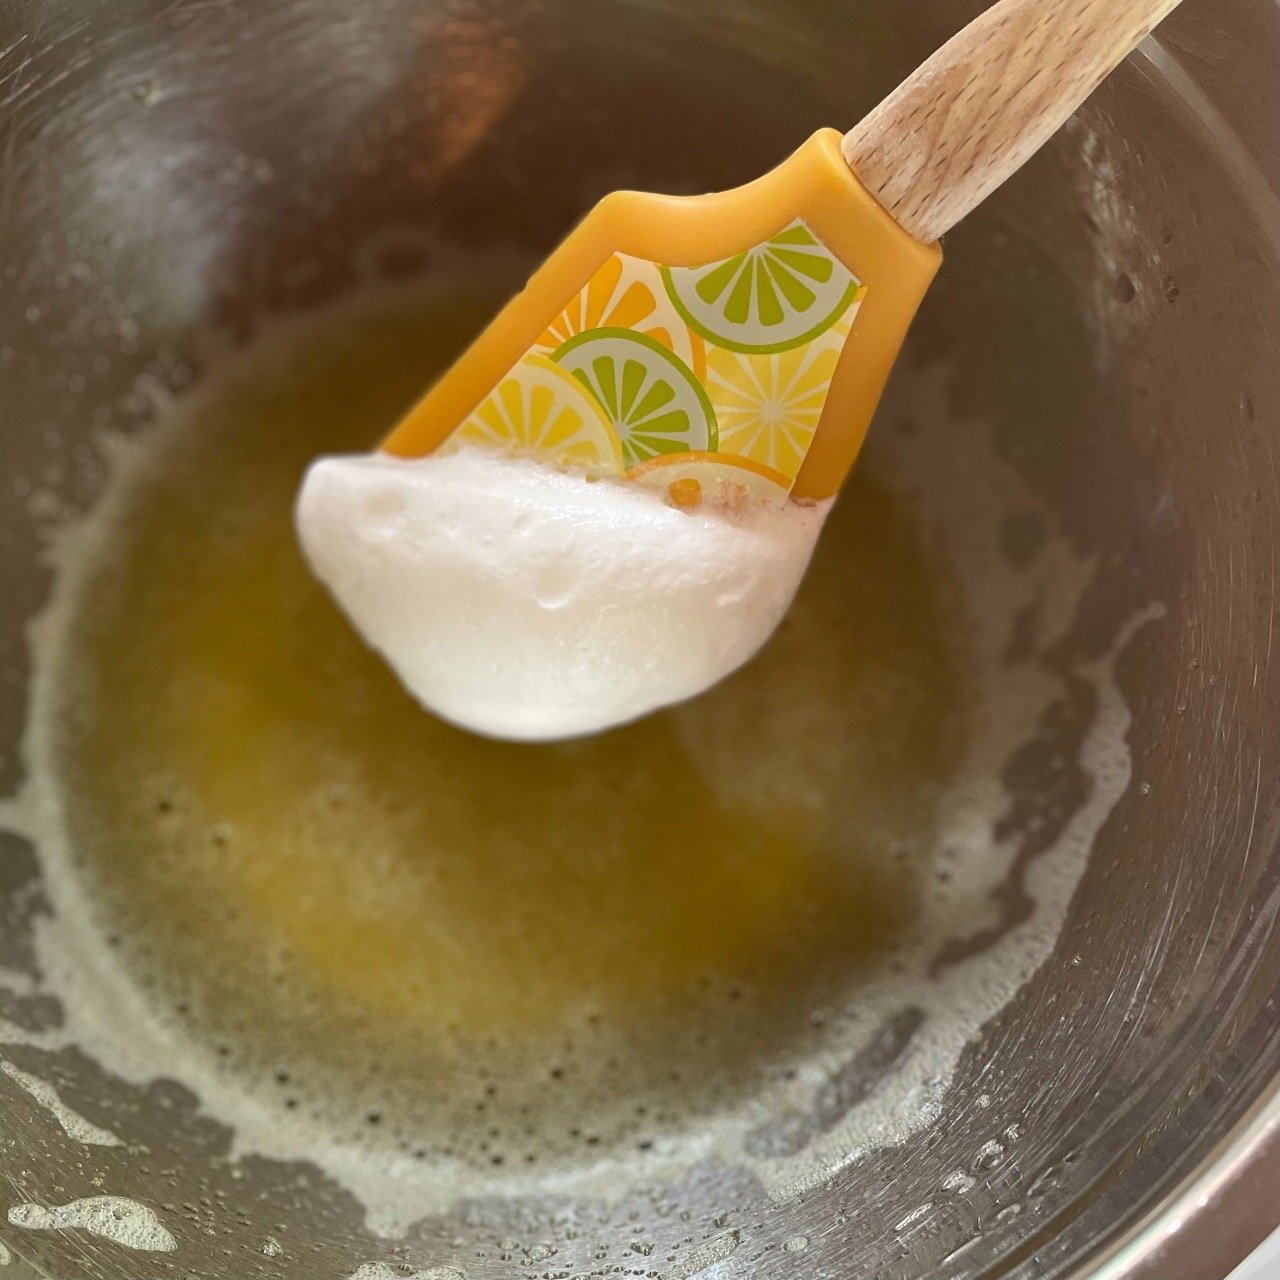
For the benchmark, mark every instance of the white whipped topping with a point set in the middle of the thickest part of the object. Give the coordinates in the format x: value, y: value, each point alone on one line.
x: 524, y: 602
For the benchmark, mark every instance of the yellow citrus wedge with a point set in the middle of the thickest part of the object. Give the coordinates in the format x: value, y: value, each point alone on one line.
x: 542, y: 410
x: 626, y: 293
x: 768, y: 406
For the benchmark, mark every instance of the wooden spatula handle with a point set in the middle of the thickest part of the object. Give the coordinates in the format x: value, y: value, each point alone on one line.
x: 972, y: 114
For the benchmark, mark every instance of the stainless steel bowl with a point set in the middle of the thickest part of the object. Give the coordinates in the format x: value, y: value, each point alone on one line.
x: 168, y: 166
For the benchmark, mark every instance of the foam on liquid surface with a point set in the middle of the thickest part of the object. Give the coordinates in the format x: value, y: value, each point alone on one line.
x: 438, y: 965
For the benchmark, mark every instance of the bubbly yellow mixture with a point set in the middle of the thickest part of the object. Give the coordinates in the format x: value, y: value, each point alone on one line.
x: 498, y: 952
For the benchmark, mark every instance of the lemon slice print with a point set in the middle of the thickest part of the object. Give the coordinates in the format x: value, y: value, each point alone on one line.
x: 541, y: 410
x: 778, y: 295
x: 652, y: 399
x: 689, y: 478
x: 768, y: 406
x: 626, y: 293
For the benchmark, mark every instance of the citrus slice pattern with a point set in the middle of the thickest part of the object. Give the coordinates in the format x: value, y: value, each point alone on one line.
x: 542, y: 410
x: 768, y: 406
x: 650, y: 364
x: 653, y: 400
x: 626, y: 293
x: 778, y: 295
x: 688, y: 478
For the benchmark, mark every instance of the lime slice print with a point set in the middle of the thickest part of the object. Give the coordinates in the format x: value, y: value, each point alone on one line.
x: 653, y: 401
x: 541, y: 410
x: 779, y: 295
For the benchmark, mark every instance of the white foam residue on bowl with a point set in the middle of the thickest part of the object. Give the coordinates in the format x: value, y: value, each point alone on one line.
x: 74, y: 1125
x: 115, y: 1218
x: 966, y: 493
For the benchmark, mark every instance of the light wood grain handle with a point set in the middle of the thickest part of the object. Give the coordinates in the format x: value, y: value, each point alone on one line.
x: 971, y: 115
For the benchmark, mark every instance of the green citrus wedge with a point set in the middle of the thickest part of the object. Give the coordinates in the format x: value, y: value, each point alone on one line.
x: 779, y: 295
x: 651, y: 398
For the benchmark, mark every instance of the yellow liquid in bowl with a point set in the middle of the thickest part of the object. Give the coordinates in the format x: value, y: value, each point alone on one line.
x: 500, y: 953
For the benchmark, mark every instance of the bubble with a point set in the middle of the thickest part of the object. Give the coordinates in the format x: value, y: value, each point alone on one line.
x: 989, y: 1157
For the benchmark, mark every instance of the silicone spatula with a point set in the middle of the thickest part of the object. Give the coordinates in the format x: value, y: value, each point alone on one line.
x: 747, y: 335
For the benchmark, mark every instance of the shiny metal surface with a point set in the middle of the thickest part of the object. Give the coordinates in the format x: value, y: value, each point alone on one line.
x: 168, y: 166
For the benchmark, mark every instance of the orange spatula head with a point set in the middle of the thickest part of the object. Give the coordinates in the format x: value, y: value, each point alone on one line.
x: 682, y: 340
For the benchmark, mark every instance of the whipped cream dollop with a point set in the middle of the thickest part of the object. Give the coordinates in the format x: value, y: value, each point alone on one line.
x: 525, y: 602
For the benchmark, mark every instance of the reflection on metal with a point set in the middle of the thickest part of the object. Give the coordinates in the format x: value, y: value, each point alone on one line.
x: 1121, y: 334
